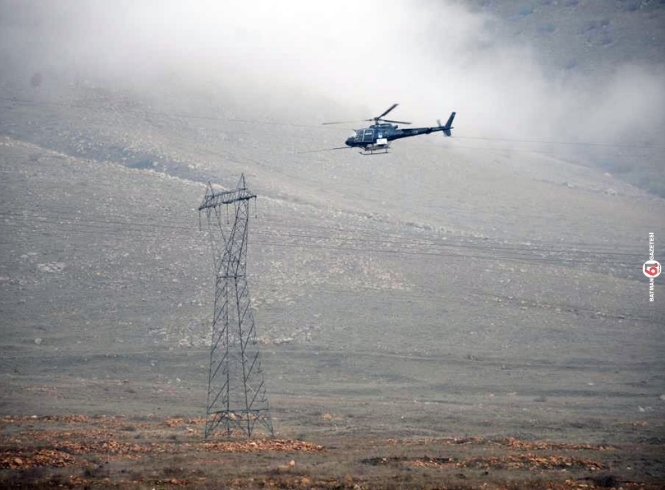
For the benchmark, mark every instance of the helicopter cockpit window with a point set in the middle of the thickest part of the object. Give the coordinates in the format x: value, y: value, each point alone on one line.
x: 358, y: 135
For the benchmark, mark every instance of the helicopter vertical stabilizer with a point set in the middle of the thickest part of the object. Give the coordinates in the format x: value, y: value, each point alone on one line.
x: 448, y: 126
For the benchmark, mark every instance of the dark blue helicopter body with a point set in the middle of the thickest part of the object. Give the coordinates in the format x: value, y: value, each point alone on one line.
x: 379, y: 135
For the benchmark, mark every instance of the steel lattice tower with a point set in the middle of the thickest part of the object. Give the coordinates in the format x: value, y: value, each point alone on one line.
x: 237, y: 397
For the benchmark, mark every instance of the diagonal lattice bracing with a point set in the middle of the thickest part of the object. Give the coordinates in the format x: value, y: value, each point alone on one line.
x: 237, y: 399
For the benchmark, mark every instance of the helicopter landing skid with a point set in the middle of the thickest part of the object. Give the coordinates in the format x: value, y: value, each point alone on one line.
x: 368, y: 153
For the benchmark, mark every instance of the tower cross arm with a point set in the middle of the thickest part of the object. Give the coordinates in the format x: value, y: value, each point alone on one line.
x: 213, y: 199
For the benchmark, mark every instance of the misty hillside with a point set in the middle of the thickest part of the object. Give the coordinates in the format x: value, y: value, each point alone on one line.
x: 587, y: 36
x: 495, y: 275
x: 584, y: 75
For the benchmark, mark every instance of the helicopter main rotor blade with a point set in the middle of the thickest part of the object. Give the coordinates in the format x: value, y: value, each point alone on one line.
x: 372, y: 119
x: 346, y: 122
x: 390, y: 109
x: 396, y: 122
x: 324, y: 149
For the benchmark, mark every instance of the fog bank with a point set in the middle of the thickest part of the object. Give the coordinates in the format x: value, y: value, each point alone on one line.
x: 430, y: 56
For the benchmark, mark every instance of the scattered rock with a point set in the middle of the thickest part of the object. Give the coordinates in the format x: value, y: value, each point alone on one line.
x: 51, y: 267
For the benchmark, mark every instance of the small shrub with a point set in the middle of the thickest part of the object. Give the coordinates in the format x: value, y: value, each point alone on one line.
x: 96, y: 471
x: 606, y: 40
x: 632, y: 6
x: 173, y: 471
x: 605, y: 481
x: 644, y: 181
x: 142, y: 164
x: 34, y: 474
x: 657, y: 188
x: 35, y: 477
x: 135, y: 476
x: 589, y: 26
x: 621, y: 168
x: 546, y: 28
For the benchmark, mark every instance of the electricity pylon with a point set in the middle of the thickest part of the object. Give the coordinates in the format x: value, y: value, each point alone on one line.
x: 237, y: 397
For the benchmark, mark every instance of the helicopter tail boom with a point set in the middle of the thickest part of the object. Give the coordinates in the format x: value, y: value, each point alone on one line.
x: 446, y: 129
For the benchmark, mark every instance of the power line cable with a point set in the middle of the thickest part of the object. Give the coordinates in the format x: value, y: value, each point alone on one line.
x: 285, y: 124
x: 141, y: 227
x: 141, y: 236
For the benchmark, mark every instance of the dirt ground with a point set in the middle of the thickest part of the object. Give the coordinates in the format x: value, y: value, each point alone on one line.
x: 78, y: 451
x: 432, y: 319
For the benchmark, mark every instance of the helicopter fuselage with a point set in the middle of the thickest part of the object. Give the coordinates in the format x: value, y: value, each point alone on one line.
x: 379, y: 136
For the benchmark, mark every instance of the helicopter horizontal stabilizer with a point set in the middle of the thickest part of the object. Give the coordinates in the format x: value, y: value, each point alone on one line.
x: 448, y: 126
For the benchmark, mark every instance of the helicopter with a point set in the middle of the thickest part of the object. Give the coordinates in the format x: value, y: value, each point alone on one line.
x: 377, y: 137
